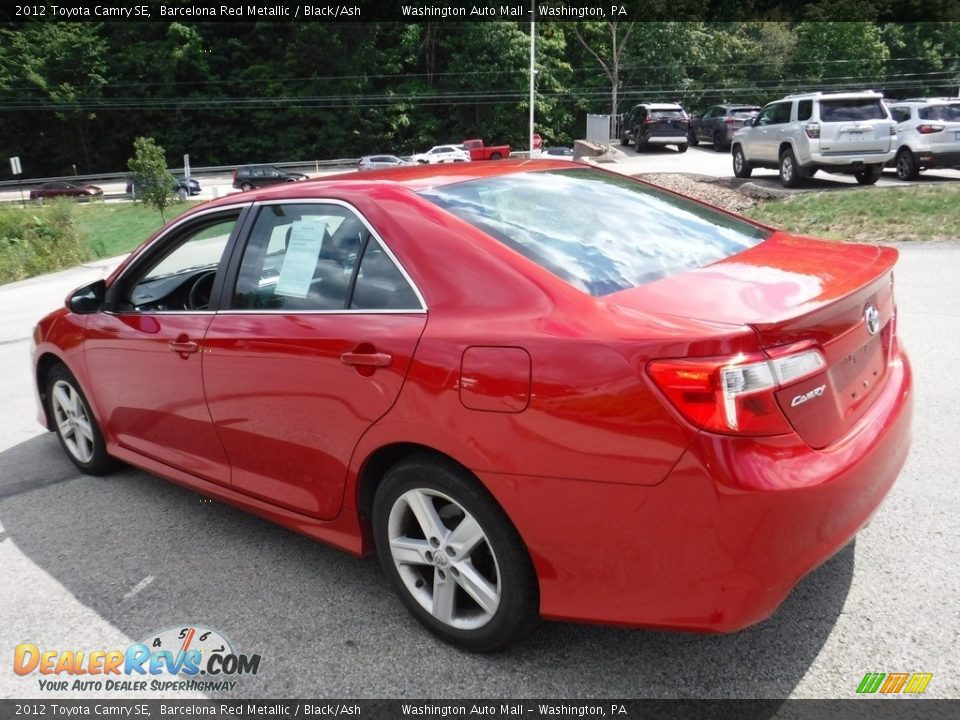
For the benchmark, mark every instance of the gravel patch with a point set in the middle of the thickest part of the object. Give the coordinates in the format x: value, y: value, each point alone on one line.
x: 732, y: 194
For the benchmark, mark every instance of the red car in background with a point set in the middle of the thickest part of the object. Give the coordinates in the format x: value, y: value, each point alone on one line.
x: 534, y: 389
x: 65, y: 189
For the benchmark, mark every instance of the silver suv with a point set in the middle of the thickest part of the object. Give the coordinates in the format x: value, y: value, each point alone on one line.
x: 928, y: 134
x: 800, y: 134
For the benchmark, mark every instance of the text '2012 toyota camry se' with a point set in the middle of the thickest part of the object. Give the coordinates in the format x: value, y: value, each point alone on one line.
x: 533, y: 389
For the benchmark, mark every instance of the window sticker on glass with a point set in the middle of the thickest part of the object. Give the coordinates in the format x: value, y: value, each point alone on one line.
x: 300, y: 261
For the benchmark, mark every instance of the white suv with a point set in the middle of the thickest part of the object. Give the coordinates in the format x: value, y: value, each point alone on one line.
x: 928, y: 134
x: 800, y: 134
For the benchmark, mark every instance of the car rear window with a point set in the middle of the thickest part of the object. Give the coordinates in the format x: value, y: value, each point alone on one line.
x: 600, y: 233
x: 744, y: 112
x: 667, y: 114
x: 850, y: 109
x: 944, y: 113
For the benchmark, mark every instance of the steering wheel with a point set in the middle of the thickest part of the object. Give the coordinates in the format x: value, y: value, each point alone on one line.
x: 199, y: 296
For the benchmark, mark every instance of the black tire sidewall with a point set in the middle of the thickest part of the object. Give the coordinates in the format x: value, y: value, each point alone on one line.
x: 519, y: 598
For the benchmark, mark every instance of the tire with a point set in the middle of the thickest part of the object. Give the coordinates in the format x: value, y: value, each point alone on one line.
x: 246, y: 186
x: 741, y: 168
x: 907, y: 168
x: 682, y: 147
x: 718, y: 144
x: 624, y: 141
x: 789, y: 172
x: 418, y: 510
x: 75, y: 426
x: 870, y: 175
x: 496, y: 156
x: 692, y: 136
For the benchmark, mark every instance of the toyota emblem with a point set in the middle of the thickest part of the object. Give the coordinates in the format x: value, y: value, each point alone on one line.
x: 872, y: 317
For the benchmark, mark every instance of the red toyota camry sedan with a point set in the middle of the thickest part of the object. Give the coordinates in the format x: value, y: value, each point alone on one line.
x: 534, y: 389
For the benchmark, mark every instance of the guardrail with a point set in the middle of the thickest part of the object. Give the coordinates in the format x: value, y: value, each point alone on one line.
x: 207, y: 170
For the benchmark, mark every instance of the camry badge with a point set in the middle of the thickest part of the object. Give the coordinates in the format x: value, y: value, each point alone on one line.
x: 815, y: 393
x: 872, y: 317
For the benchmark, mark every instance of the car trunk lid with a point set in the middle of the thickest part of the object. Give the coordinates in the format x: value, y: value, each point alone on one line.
x: 797, y: 294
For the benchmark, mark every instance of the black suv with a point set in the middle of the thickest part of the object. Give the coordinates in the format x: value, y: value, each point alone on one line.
x: 656, y: 124
x: 256, y: 176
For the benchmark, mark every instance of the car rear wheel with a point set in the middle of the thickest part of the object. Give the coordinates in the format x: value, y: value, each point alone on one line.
x: 718, y: 144
x: 741, y: 168
x: 870, y: 175
x: 907, y: 168
x: 452, y: 556
x: 624, y: 141
x: 75, y: 425
x: 789, y: 173
x: 496, y: 156
x: 246, y: 186
x: 682, y: 147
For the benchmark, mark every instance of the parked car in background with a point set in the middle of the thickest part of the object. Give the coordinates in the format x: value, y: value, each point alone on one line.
x: 530, y: 388
x: 59, y: 188
x: 656, y: 124
x: 928, y: 135
x: 249, y: 177
x: 718, y: 124
x: 848, y: 133
x: 379, y: 162
x: 190, y: 186
x: 479, y: 151
x: 557, y: 153
x: 442, y: 154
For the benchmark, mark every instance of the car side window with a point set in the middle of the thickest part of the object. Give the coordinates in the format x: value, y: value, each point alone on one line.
x: 900, y: 114
x: 380, y: 285
x: 804, y: 110
x: 182, y: 278
x: 766, y: 116
x: 781, y: 113
x: 317, y: 256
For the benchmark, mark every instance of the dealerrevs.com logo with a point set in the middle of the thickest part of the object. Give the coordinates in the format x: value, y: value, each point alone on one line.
x: 189, y: 658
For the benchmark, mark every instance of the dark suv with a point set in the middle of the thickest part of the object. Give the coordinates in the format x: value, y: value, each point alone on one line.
x: 656, y: 124
x: 256, y: 176
x: 718, y: 124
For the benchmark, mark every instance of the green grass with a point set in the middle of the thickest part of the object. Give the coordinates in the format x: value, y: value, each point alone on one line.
x: 921, y: 212
x: 116, y: 228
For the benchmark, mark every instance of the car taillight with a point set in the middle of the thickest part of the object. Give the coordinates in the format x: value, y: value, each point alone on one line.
x: 651, y: 121
x: 733, y: 394
x: 812, y: 130
x: 732, y: 121
x: 927, y: 129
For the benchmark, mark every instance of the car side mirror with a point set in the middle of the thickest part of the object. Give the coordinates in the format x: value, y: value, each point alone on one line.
x: 748, y: 122
x: 88, y: 299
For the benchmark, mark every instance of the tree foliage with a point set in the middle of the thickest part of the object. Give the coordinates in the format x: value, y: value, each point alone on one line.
x: 75, y: 96
x: 148, y: 173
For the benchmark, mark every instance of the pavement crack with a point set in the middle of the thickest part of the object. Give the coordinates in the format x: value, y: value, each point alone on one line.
x: 14, y: 341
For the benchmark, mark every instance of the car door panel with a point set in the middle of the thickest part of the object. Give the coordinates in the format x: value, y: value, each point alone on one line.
x: 290, y: 408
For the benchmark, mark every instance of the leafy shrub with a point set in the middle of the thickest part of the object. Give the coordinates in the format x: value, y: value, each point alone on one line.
x: 38, y: 240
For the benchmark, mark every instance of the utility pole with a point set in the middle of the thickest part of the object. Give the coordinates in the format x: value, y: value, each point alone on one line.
x: 533, y: 71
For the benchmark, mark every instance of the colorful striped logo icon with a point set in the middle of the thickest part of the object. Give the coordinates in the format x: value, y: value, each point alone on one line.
x: 893, y: 683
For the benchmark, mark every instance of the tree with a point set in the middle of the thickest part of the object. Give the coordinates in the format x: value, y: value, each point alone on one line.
x: 607, y: 55
x: 148, y: 172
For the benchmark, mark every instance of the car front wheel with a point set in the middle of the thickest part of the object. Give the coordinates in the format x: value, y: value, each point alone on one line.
x: 452, y: 556
x: 75, y: 424
x: 741, y: 168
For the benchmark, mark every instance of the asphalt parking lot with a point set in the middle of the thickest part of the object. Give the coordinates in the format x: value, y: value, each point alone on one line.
x: 94, y: 563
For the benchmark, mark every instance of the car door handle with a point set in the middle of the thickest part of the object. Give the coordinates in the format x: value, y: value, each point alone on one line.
x: 184, y: 347
x: 367, y: 359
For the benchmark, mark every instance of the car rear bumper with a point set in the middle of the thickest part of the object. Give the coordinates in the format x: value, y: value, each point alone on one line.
x: 722, y: 541
x: 934, y: 158
x: 849, y: 161
x: 667, y: 139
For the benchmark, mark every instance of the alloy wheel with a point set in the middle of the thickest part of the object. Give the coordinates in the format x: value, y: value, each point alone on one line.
x: 73, y: 421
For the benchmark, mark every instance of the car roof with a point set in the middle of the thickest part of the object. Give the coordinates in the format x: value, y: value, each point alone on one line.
x: 410, y: 177
x: 921, y: 102
x: 660, y: 106
x: 834, y: 95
